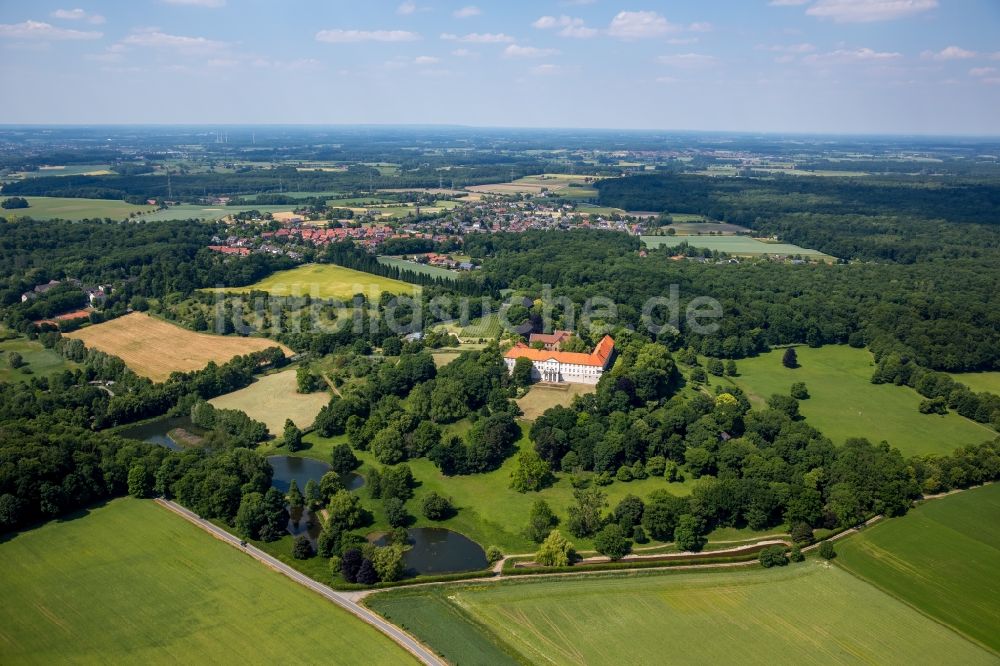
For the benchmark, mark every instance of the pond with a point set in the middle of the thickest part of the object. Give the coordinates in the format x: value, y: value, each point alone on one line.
x: 435, y: 550
x: 155, y: 432
x: 353, y: 481
x: 303, y: 521
x: 302, y: 470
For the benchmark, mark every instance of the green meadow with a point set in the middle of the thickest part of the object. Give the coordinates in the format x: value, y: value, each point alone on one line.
x: 810, y: 613
x: 39, y: 361
x: 979, y: 382
x: 325, y: 281
x: 130, y: 582
x: 844, y: 403
x: 423, y: 269
x: 739, y: 245
x: 205, y: 212
x: 67, y: 208
x: 941, y: 558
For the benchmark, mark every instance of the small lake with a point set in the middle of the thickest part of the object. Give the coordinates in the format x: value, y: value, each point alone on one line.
x: 303, y: 521
x: 435, y: 550
x: 302, y: 470
x: 155, y: 432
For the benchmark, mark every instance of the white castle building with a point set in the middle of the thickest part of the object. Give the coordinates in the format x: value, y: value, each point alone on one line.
x: 564, y: 367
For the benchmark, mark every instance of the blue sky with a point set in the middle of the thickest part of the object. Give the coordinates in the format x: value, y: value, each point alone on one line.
x: 839, y: 66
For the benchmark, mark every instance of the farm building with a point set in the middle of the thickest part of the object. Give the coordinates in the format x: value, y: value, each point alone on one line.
x: 564, y: 367
x: 551, y: 341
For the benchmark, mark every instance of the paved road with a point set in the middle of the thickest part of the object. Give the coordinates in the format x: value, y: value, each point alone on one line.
x: 345, y: 601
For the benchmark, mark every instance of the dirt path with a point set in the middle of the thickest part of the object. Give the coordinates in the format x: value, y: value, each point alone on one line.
x: 332, y: 386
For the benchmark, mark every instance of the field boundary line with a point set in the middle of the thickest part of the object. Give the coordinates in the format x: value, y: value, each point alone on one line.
x: 403, y: 638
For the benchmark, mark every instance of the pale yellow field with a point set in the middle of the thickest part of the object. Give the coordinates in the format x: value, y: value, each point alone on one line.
x: 272, y: 399
x: 154, y: 348
x: 530, y: 184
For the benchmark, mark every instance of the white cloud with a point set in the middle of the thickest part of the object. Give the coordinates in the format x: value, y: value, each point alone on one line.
x: 339, y: 36
x: 868, y: 11
x: 991, y: 81
x: 464, y: 53
x: 851, y: 56
x: 406, y: 8
x: 569, y: 26
x: 948, y: 53
x: 479, y: 38
x: 787, y: 3
x: 787, y: 48
x: 639, y: 25
x: 546, y: 70
x: 687, y: 60
x: 197, y: 3
x: 982, y: 71
x: 77, y: 15
x: 426, y: 60
x: 44, y: 31
x: 701, y: 26
x: 681, y: 41
x: 467, y: 12
x: 516, y: 51
x: 153, y: 38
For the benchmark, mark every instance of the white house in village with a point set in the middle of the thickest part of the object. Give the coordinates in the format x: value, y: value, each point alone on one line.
x: 564, y: 367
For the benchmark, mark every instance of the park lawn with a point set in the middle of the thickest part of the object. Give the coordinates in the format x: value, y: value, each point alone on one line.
x: 272, y: 398
x: 41, y: 361
x: 155, y: 348
x: 326, y: 281
x: 979, y: 382
x: 130, y: 582
x: 941, y: 558
x: 844, y: 403
x: 413, y: 266
x: 540, y: 398
x: 70, y: 208
x: 806, y: 613
x: 489, y: 512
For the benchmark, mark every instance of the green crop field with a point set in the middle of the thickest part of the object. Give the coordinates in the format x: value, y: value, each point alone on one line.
x: 979, y: 382
x: 272, y: 399
x: 739, y: 245
x: 66, y: 208
x: 808, y: 613
x: 203, y: 212
x: 845, y: 403
x: 423, y: 269
x: 326, y: 281
x: 40, y: 361
x: 130, y: 582
x: 941, y: 558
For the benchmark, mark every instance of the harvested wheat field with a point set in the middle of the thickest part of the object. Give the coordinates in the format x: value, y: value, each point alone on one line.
x: 154, y: 348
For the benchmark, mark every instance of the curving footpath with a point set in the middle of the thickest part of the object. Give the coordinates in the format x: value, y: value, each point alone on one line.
x: 348, y: 603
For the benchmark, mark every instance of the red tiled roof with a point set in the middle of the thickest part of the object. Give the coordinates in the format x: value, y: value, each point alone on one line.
x: 598, y: 357
x: 549, y: 339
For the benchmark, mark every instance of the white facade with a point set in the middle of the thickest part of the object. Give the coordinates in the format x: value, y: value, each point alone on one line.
x: 553, y: 371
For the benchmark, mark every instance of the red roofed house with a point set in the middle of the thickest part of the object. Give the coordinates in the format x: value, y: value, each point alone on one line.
x: 564, y: 367
x: 552, y: 342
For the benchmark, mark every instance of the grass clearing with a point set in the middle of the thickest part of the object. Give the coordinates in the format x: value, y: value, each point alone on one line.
x: 941, y: 558
x: 326, y: 281
x: 845, y: 403
x: 154, y: 348
x: 539, y: 398
x: 68, y: 208
x: 41, y: 361
x: 979, y: 382
x: 737, y: 245
x: 422, y: 269
x: 202, y: 212
x: 130, y: 582
x: 806, y: 613
x: 272, y: 398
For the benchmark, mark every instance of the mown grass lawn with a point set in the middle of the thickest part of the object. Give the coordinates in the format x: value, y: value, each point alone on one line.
x: 844, y: 403
x: 943, y: 558
x: 130, y: 582
x: 807, y: 613
x: 979, y: 382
